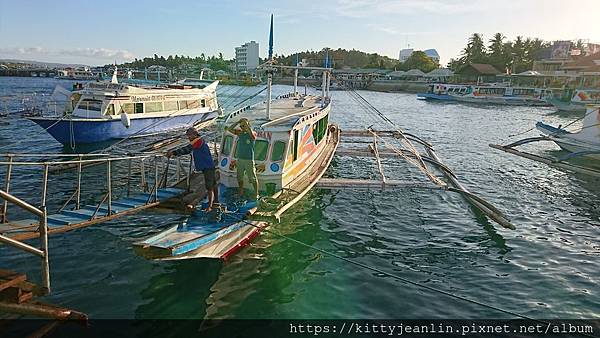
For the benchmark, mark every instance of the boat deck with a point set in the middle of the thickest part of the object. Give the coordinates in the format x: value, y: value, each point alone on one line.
x: 68, y: 220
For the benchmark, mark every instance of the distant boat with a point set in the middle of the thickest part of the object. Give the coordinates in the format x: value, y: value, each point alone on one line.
x: 576, y: 101
x: 585, y: 142
x: 486, y: 94
x: 107, y: 110
x: 76, y: 74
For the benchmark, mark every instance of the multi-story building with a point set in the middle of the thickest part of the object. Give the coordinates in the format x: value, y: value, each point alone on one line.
x: 406, y: 53
x: 246, y: 57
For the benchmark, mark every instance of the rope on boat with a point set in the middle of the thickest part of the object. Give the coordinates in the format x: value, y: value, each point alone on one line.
x: 168, y: 117
x: 419, y: 163
x: 389, y: 274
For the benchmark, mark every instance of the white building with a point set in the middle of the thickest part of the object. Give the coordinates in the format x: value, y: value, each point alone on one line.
x: 246, y: 57
x: 406, y: 53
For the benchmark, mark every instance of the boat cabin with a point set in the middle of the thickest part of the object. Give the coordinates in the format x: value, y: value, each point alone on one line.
x: 102, y: 100
x: 285, y: 144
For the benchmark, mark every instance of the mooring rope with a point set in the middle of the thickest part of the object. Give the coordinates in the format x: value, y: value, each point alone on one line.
x: 386, y: 273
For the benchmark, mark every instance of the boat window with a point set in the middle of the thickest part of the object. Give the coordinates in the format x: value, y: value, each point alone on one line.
x: 193, y: 104
x: 89, y: 104
x: 170, y: 105
x: 320, y: 129
x: 153, y: 107
x: 139, y: 108
x: 260, y: 150
x: 278, y: 151
x: 295, y: 148
x: 203, y: 103
x: 126, y: 108
x: 227, y: 143
x: 110, y: 110
x: 183, y: 105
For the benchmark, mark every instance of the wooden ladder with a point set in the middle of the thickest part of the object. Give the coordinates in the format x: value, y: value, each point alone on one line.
x: 14, y: 287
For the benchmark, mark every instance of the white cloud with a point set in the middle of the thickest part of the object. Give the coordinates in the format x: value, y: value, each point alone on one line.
x: 363, y: 8
x: 23, y: 50
x: 99, y: 53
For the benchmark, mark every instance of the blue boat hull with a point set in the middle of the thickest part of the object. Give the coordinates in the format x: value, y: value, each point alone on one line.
x: 435, y: 97
x: 92, y: 131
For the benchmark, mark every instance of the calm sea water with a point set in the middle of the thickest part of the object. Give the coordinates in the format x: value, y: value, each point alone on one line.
x: 548, y: 267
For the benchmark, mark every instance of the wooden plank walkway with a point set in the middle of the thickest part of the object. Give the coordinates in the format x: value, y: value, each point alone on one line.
x: 68, y: 220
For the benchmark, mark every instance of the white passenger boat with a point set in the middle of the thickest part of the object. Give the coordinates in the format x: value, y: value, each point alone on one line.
x: 486, y: 94
x: 106, y: 110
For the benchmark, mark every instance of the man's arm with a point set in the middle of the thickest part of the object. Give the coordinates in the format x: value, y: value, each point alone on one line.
x: 232, y: 129
x: 180, y: 151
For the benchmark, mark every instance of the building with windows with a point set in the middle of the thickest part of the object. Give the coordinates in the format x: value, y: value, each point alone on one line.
x: 406, y: 53
x: 246, y: 57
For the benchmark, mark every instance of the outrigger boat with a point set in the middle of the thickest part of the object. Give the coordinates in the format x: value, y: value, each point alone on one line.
x: 576, y: 101
x: 582, y: 143
x: 503, y: 95
x: 104, y: 110
x: 294, y: 146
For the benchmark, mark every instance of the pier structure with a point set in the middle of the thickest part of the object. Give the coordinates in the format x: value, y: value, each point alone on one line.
x: 145, y: 181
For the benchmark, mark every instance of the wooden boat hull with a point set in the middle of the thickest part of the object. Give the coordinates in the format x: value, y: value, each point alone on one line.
x: 181, y: 243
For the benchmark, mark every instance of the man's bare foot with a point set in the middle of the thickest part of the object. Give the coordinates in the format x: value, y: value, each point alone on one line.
x: 209, y: 209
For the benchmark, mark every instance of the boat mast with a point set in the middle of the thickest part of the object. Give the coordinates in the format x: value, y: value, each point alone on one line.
x: 270, y: 70
x: 328, y: 75
x: 324, y: 84
x: 296, y: 77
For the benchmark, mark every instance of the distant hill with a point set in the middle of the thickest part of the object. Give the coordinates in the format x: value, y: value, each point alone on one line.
x: 42, y: 64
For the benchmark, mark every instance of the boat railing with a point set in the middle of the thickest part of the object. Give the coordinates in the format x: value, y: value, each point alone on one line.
x: 147, y: 166
x: 42, y: 252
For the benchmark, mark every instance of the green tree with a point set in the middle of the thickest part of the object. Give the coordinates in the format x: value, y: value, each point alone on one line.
x: 499, y: 54
x: 475, y: 52
x: 419, y: 60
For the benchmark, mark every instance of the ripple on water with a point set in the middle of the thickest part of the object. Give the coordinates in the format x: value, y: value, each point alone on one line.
x: 546, y: 268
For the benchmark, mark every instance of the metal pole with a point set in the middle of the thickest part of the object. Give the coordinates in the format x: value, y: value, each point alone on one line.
x: 143, y: 173
x: 21, y: 245
x: 269, y: 84
x: 155, y: 179
x: 79, y: 170
x: 44, y: 186
x: 20, y: 203
x: 45, y: 259
x: 323, y: 84
x: 295, y: 81
x: 109, y: 185
x: 129, y: 178
x: 189, y: 172
x: 7, y: 189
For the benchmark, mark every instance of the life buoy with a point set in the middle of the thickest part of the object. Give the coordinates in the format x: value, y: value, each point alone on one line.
x: 126, y: 120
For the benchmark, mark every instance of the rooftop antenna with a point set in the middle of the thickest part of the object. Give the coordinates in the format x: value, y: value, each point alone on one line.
x: 269, y: 70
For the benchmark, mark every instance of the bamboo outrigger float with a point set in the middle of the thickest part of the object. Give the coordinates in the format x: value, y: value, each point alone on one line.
x: 584, y: 143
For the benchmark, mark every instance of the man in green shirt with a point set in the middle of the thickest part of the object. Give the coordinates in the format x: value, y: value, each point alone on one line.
x: 245, y: 154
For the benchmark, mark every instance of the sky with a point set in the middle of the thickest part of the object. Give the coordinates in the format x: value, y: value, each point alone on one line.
x: 104, y: 31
